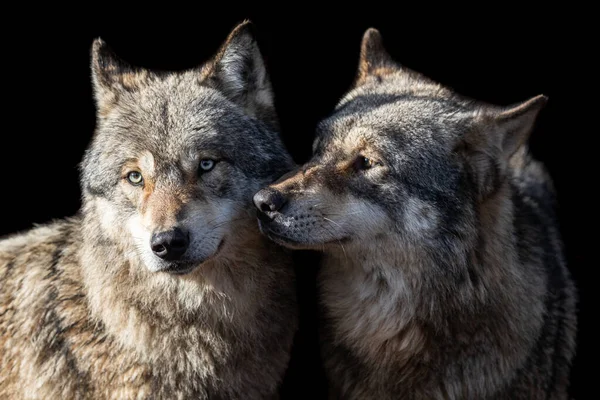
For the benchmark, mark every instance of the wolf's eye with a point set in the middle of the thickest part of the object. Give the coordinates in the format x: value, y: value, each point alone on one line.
x: 206, y: 165
x: 135, y: 178
x: 362, y: 163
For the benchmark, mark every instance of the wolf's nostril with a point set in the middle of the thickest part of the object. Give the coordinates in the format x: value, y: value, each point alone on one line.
x: 269, y: 199
x: 159, y: 248
x: 264, y: 216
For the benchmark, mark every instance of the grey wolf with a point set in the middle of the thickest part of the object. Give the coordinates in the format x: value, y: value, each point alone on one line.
x: 443, y: 274
x: 162, y: 286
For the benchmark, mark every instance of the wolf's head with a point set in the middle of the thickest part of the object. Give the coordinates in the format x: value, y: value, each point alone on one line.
x: 177, y: 156
x: 401, y: 156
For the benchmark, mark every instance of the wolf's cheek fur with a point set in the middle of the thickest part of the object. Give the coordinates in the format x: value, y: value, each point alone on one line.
x: 419, y: 218
x: 218, y: 183
x: 141, y: 241
x: 210, y: 225
x: 111, y: 217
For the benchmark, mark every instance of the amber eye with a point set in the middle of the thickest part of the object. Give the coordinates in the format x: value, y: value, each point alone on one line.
x: 135, y: 178
x: 362, y: 163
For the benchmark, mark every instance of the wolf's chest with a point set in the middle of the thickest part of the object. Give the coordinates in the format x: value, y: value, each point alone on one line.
x: 368, y: 309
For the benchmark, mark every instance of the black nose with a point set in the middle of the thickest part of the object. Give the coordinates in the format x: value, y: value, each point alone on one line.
x: 169, y: 245
x: 269, y: 199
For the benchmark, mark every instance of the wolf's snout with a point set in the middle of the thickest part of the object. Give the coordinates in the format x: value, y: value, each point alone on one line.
x: 268, y: 200
x: 170, y: 245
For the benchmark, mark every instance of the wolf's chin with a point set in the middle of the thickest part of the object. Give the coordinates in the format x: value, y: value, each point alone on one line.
x: 297, y: 244
x: 180, y: 268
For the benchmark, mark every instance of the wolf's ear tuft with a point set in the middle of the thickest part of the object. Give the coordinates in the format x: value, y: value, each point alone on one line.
x: 238, y: 71
x: 111, y: 75
x: 374, y: 58
x: 516, y: 123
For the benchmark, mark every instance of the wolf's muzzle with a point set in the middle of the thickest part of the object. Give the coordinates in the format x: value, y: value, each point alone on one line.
x: 170, y: 245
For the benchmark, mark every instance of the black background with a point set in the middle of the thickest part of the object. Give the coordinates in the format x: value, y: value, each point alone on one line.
x: 502, y: 56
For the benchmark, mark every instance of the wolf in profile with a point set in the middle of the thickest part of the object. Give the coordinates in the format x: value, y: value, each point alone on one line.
x: 443, y: 275
x: 162, y: 286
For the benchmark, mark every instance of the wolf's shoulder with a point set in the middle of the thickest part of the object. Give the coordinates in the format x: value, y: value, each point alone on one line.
x: 40, y: 238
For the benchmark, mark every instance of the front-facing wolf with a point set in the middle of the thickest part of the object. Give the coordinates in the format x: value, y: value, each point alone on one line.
x: 162, y: 287
x: 443, y: 275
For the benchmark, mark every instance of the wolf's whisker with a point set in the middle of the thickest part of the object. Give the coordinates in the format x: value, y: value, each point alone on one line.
x: 339, y: 242
x: 332, y: 221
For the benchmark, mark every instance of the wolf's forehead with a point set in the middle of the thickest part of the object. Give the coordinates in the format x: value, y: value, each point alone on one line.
x: 180, y: 103
x: 153, y: 115
x: 399, y: 130
x: 403, y: 118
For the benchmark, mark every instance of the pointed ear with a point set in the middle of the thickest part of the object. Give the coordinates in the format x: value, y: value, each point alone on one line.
x: 112, y: 76
x: 494, y: 137
x: 516, y: 123
x: 238, y: 71
x: 374, y: 58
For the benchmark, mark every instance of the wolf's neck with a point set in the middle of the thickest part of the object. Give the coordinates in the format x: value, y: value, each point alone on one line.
x: 146, y: 310
x: 378, y: 289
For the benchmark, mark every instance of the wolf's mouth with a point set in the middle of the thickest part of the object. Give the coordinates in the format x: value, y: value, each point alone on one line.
x: 180, y: 268
x: 282, y: 240
x: 185, y: 267
x: 294, y: 243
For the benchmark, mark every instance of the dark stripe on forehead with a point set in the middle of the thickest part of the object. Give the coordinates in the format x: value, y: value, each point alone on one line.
x: 164, y: 115
x: 366, y: 102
